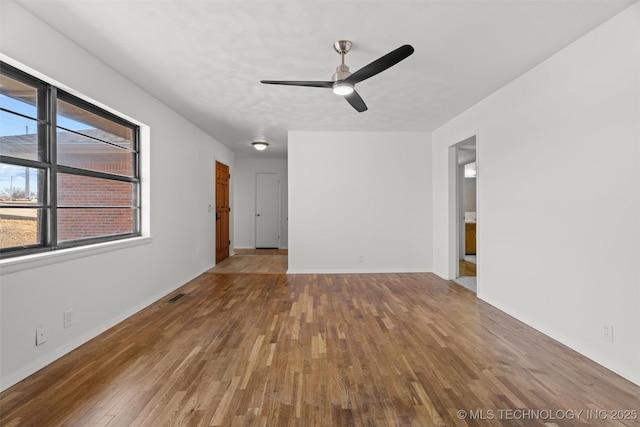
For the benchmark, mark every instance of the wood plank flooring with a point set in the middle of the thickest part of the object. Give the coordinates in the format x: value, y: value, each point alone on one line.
x: 467, y: 268
x: 320, y: 350
x: 254, y: 261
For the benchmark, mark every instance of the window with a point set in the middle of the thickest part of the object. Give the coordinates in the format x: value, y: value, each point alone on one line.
x: 69, y: 170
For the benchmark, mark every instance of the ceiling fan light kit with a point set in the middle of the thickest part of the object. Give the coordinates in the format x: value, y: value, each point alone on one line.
x: 342, y: 88
x: 343, y: 81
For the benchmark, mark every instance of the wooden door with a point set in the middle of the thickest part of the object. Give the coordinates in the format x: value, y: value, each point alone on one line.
x: 222, y: 212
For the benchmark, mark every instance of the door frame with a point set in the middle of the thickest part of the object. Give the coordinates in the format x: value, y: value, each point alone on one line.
x: 456, y: 214
x: 255, y: 206
x: 462, y: 236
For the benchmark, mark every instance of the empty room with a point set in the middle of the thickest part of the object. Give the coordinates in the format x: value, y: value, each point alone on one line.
x: 304, y: 213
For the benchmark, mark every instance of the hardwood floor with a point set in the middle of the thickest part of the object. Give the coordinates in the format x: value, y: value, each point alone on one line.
x: 467, y: 268
x: 254, y: 261
x: 305, y: 350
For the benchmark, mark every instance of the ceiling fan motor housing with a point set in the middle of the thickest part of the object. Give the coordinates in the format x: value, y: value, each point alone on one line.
x: 340, y: 85
x: 342, y: 72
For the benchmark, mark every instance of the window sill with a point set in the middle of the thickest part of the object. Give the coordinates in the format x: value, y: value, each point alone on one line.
x: 27, y: 262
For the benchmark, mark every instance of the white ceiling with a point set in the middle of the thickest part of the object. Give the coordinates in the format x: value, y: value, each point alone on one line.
x: 205, y: 58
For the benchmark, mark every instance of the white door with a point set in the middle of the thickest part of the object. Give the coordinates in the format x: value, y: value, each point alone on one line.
x: 267, y: 210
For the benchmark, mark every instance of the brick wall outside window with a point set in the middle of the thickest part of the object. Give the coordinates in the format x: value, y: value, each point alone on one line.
x: 85, y: 194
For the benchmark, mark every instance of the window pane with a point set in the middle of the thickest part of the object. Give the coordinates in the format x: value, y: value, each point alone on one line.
x: 19, y: 227
x: 80, y: 120
x: 75, y: 224
x: 21, y: 185
x: 82, y: 191
x: 86, y: 153
x: 19, y: 97
x: 18, y: 137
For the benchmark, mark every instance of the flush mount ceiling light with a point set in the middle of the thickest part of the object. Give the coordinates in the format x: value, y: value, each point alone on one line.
x: 260, y: 145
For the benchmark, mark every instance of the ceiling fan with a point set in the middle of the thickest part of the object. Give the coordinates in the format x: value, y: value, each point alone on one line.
x: 343, y: 81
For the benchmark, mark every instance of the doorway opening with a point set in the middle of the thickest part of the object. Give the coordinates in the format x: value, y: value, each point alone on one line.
x: 465, y: 177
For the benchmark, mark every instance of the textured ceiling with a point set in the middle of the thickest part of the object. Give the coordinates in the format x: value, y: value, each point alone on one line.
x: 205, y: 58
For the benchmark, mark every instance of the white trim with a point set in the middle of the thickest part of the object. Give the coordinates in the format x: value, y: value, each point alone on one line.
x: 362, y: 271
x: 27, y: 262
x: 453, y: 216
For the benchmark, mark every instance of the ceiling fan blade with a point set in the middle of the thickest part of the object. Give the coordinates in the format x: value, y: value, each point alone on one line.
x: 356, y: 101
x: 381, y: 64
x: 298, y: 83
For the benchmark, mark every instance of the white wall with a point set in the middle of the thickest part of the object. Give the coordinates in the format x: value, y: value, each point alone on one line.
x: 559, y: 194
x: 359, y: 202
x: 244, y: 179
x: 105, y: 287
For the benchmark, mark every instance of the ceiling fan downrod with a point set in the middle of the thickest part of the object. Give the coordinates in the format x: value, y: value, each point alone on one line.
x: 340, y: 86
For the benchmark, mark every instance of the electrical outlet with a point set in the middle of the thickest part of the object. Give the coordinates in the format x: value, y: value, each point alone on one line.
x: 68, y: 318
x: 607, y: 333
x: 360, y: 259
x: 41, y: 335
